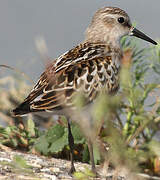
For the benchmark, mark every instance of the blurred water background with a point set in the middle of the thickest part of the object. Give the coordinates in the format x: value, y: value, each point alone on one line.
x: 62, y: 24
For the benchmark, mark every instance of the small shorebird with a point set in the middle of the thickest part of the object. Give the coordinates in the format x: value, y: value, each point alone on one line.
x: 90, y: 67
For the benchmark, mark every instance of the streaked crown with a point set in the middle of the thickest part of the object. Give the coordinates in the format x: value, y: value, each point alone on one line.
x: 108, y: 25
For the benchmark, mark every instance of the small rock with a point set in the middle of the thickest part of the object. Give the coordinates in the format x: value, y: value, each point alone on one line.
x: 45, y: 170
x: 50, y: 177
x: 55, y: 169
x: 5, y: 159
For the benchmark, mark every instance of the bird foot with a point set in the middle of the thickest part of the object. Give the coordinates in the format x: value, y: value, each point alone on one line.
x: 94, y: 171
x: 72, y: 170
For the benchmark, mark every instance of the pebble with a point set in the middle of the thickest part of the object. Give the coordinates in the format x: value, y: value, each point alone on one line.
x: 5, y: 159
x: 55, y: 169
x: 50, y: 177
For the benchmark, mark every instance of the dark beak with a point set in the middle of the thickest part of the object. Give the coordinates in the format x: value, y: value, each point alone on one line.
x: 139, y: 34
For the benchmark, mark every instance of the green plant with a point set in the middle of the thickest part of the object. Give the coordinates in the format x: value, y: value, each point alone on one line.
x: 128, y: 121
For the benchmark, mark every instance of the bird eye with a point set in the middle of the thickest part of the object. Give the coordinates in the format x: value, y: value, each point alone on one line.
x: 121, y: 20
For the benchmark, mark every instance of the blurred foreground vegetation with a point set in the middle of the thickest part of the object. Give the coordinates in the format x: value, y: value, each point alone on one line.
x: 126, y: 128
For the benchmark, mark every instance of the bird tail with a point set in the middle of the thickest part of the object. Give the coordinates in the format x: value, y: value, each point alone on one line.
x: 21, y: 110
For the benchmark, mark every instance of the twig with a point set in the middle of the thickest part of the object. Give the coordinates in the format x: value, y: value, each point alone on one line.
x: 146, y: 176
x: 18, y: 71
x: 119, y: 120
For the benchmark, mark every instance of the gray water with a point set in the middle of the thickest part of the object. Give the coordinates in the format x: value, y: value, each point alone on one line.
x: 62, y: 24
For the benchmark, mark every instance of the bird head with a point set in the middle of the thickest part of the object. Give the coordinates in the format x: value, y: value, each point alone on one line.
x: 110, y: 24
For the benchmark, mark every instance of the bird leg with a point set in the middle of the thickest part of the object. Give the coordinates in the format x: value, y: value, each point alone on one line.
x: 90, y: 147
x: 71, y: 146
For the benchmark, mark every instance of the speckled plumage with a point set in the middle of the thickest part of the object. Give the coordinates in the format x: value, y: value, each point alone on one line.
x: 91, y: 67
x: 88, y: 68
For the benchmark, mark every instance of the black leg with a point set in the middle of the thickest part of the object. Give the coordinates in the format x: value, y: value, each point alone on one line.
x: 71, y: 146
x: 90, y: 147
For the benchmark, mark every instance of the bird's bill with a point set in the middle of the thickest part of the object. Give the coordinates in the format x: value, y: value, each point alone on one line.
x: 135, y: 32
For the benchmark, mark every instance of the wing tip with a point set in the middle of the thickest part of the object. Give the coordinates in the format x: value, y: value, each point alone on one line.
x: 21, y: 110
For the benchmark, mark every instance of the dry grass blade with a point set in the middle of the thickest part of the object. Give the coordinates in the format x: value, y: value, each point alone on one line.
x: 138, y: 131
x: 17, y: 71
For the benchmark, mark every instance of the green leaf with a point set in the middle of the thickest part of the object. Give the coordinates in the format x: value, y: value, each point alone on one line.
x: 80, y: 176
x: 154, y: 146
x: 84, y: 175
x: 14, y: 142
x: 55, y: 133
x: 96, y: 154
x: 78, y: 137
x: 9, y: 130
x: 59, y: 144
x: 31, y: 127
x: 42, y: 145
x: 148, y: 89
x: 89, y: 173
x: 20, y: 162
x: 85, y: 157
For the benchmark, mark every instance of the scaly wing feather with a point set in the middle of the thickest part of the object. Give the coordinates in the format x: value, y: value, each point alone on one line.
x: 86, y: 68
